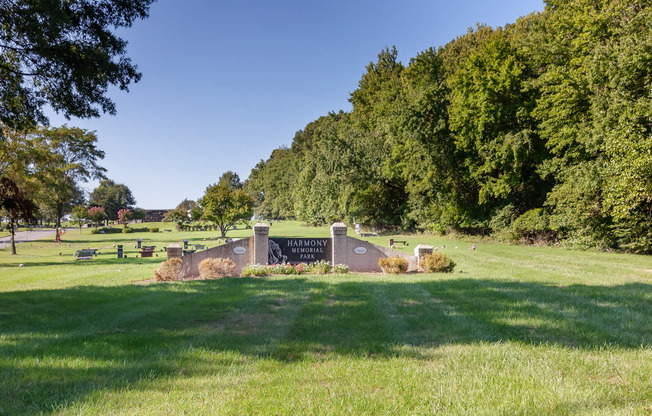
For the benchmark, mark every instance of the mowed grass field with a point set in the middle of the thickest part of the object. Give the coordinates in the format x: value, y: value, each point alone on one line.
x: 514, y: 330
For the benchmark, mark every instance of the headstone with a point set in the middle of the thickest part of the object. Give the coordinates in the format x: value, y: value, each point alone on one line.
x: 185, y: 244
x: 139, y: 241
x: 119, y: 251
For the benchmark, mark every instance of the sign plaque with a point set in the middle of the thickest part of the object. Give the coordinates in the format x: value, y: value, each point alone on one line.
x: 299, y: 250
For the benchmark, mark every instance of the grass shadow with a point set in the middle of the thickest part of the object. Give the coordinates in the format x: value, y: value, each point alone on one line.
x: 58, y: 346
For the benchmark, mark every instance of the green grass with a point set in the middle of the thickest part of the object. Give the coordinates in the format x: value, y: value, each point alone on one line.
x: 514, y: 330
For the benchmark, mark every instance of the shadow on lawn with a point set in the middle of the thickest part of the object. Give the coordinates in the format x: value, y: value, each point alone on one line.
x: 57, y: 346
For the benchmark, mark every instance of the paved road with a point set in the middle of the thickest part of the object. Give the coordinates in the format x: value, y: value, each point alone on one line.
x: 25, y: 236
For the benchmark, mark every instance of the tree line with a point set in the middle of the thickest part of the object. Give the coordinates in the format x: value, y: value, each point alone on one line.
x: 541, y: 129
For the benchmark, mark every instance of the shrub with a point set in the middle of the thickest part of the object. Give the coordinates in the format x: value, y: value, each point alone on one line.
x: 320, y: 267
x: 284, y: 268
x: 169, y: 270
x: 340, y: 268
x: 436, y: 263
x: 393, y: 265
x: 534, y: 227
x: 254, y: 270
x: 153, y: 230
x: 94, y: 231
x: 127, y: 231
x: 214, y: 268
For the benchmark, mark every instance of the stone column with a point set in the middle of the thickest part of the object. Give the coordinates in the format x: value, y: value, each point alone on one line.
x: 338, y: 234
x: 421, y: 250
x: 261, y: 243
x: 174, y: 250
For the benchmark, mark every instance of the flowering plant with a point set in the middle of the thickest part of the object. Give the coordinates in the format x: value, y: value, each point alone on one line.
x: 254, y: 270
x: 97, y: 215
x: 340, y: 268
x: 124, y: 215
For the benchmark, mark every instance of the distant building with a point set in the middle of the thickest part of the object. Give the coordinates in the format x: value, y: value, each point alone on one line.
x: 155, y: 215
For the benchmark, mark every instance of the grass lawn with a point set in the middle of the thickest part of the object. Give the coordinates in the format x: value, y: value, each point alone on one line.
x: 514, y: 330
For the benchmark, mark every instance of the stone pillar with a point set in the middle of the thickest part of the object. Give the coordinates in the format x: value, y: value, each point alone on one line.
x: 338, y: 234
x: 421, y: 250
x: 261, y: 243
x: 174, y: 250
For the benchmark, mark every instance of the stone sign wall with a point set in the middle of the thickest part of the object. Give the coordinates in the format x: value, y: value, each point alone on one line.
x: 359, y: 255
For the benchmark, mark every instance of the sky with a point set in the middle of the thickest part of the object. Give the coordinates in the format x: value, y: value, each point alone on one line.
x: 225, y: 83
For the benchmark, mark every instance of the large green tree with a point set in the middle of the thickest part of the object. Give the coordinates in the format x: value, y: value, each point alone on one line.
x: 112, y: 197
x: 225, y: 206
x: 71, y: 157
x: 65, y: 54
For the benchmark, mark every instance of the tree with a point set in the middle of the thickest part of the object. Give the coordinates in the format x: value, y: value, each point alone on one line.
x: 112, y: 197
x: 97, y: 215
x: 138, y: 214
x: 15, y: 205
x: 79, y: 216
x: 69, y: 155
x: 187, y: 210
x: 124, y: 215
x: 63, y: 53
x: 225, y: 206
x: 230, y: 179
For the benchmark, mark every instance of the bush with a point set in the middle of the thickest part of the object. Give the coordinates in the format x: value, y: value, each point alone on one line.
x: 284, y: 268
x: 534, y: 227
x: 214, y: 268
x: 341, y: 268
x: 153, y: 230
x: 169, y: 270
x: 393, y: 265
x: 436, y: 263
x: 320, y: 267
x: 254, y: 270
x: 94, y: 231
x: 127, y: 231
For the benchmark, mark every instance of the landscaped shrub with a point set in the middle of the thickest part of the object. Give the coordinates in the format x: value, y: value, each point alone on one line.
x: 320, y: 267
x: 254, y: 270
x: 127, y: 231
x: 393, y: 265
x: 153, y: 230
x: 340, y: 268
x: 94, y: 231
x: 214, y: 268
x: 436, y: 263
x: 285, y: 268
x: 169, y: 270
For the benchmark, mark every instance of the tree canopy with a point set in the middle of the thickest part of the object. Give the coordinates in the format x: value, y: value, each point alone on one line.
x: 65, y: 54
x: 540, y: 129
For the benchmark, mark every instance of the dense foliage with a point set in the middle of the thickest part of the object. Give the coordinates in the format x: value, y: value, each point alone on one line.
x: 65, y: 54
x: 538, y: 130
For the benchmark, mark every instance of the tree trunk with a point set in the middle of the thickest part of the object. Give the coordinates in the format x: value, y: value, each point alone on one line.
x: 13, y: 238
x: 59, y: 210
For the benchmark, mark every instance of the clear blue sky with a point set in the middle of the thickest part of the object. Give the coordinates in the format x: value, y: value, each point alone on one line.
x: 225, y: 83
